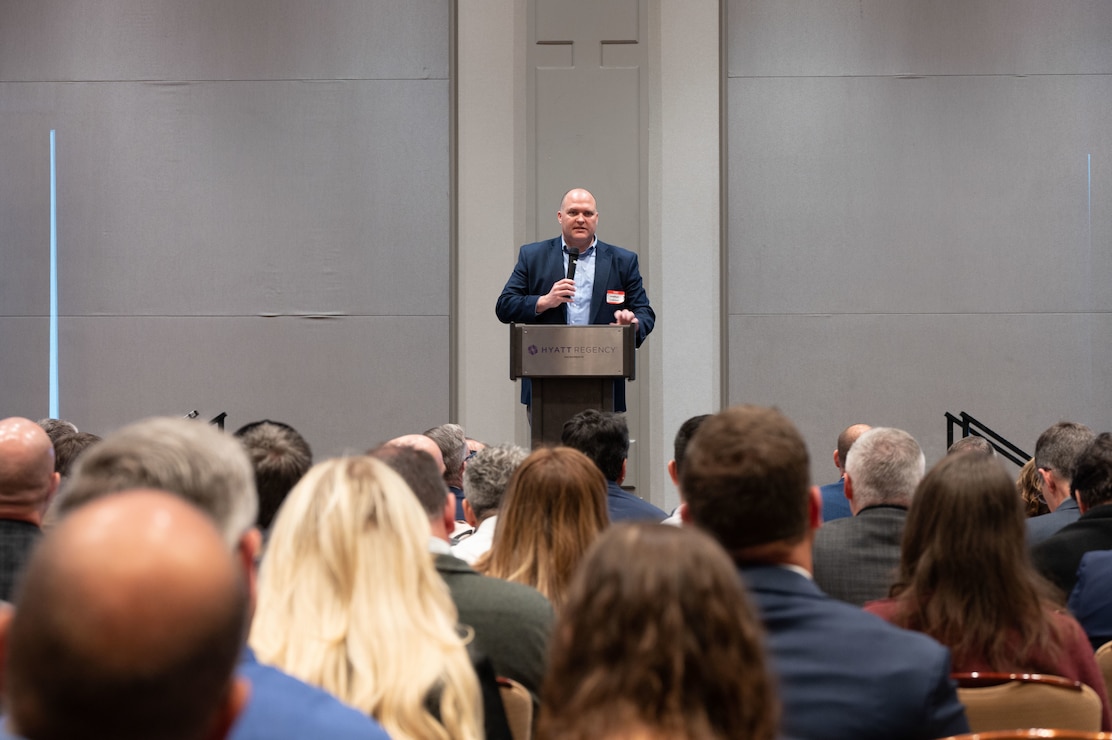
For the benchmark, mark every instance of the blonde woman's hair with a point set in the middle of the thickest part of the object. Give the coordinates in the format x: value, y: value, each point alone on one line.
x: 350, y: 601
x: 553, y: 510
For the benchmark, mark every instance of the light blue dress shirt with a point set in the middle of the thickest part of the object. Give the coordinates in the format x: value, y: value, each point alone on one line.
x: 579, y: 310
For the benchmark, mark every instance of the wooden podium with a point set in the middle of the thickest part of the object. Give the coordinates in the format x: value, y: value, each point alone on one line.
x: 571, y: 368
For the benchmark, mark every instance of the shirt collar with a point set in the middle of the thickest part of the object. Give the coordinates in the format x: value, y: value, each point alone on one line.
x: 564, y: 245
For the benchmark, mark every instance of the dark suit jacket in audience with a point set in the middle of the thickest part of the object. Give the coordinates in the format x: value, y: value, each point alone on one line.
x: 1039, y: 528
x: 512, y: 622
x: 835, y: 505
x: 1091, y: 599
x: 16, y: 540
x: 623, y: 506
x: 1059, y: 556
x: 856, y: 559
x: 845, y: 674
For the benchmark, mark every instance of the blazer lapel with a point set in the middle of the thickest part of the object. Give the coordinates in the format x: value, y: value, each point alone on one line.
x: 604, y: 259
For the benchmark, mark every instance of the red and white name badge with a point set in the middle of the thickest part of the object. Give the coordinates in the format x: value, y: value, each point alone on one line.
x: 615, y: 297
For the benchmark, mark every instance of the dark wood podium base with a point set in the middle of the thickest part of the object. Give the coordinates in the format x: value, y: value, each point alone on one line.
x: 555, y: 400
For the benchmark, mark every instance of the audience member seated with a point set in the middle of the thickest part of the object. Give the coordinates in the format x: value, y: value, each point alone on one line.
x: 973, y: 443
x: 603, y: 436
x: 1056, y: 453
x: 553, y: 511
x: 208, y: 468
x: 453, y: 448
x: 27, y: 484
x: 856, y: 557
x: 119, y: 636
x: 675, y: 465
x: 842, y: 673
x: 1028, y: 483
x: 834, y: 503
x: 57, y: 428
x: 68, y: 447
x: 657, y: 639
x: 279, y: 456
x: 966, y: 580
x: 1091, y: 599
x: 349, y: 601
x: 512, y: 622
x: 484, y: 484
x: 1059, y: 556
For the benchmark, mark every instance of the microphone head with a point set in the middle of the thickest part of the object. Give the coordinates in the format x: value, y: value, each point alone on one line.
x: 573, y: 252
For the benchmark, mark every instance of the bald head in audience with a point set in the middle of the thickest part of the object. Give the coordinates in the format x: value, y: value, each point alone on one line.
x: 27, y: 477
x: 422, y: 443
x: 131, y: 618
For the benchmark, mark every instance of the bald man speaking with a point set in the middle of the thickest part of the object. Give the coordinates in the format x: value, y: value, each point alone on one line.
x: 576, y: 279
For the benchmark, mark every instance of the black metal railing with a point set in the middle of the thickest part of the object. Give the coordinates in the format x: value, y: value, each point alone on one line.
x: 972, y: 427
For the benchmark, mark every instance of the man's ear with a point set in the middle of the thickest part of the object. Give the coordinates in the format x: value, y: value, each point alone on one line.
x: 622, y: 475
x: 249, y: 550
x: 449, y: 513
x: 239, y: 693
x: 673, y: 473
x: 815, y: 508
x: 469, y: 514
x: 848, y: 484
x: 837, y: 460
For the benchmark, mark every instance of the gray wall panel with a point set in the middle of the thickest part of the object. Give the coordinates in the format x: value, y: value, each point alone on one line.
x: 243, y: 198
x: 345, y: 384
x: 217, y: 40
x: 908, y: 371
x: 24, y: 362
x: 219, y: 163
x: 938, y: 194
x: 890, y: 37
x: 917, y: 214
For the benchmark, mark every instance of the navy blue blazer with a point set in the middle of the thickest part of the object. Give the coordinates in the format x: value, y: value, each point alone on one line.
x: 623, y: 506
x: 541, y: 264
x: 844, y: 673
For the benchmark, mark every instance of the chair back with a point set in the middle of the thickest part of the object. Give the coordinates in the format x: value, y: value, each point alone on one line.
x: 517, y: 701
x: 1033, y: 734
x: 1008, y: 701
x: 1104, y: 661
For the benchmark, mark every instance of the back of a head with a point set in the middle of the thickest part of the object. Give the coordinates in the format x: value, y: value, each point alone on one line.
x: 279, y: 456
x: 488, y: 475
x: 1092, y: 473
x: 1058, y: 447
x: 603, y: 436
x: 349, y: 600
x: 966, y: 513
x: 683, y: 436
x: 57, y: 428
x: 747, y: 479
x: 972, y: 443
x: 846, y: 439
x: 453, y: 446
x: 885, y: 466
x: 418, y: 470
x: 68, y: 448
x: 657, y: 632
x: 27, y: 477
x: 965, y: 506
x: 120, y: 635
x: 191, y: 459
x: 553, y: 510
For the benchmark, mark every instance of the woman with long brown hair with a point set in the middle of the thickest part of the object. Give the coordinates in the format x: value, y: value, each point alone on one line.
x: 657, y: 639
x: 966, y: 580
x: 553, y: 510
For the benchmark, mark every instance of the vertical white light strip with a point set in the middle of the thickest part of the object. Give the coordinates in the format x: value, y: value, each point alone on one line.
x: 54, y: 414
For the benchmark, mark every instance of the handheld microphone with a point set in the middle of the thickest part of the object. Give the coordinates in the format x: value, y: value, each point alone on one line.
x: 573, y: 257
